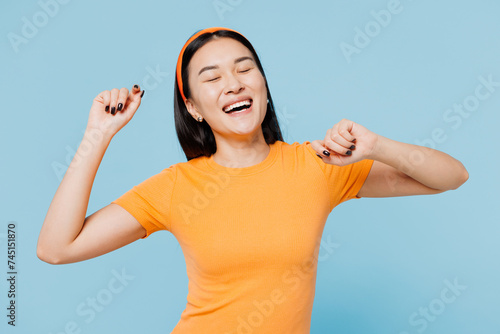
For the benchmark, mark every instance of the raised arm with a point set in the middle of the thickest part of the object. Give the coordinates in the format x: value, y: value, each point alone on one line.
x: 67, y: 235
x: 399, y: 169
x: 402, y: 169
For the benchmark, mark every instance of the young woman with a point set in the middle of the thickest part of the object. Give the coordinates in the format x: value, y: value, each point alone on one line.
x: 247, y: 208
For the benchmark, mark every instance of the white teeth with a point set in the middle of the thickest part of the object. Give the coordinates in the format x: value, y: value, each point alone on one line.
x: 237, y: 104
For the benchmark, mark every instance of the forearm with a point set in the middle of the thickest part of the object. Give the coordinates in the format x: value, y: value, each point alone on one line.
x: 66, y: 213
x: 433, y: 168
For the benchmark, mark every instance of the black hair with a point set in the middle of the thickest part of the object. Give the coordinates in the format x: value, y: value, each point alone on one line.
x: 196, y: 138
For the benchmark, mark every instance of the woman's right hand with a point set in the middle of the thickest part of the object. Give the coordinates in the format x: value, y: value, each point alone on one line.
x: 111, y: 110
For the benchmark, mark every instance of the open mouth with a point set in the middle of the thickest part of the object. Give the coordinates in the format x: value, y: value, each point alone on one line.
x: 238, y: 106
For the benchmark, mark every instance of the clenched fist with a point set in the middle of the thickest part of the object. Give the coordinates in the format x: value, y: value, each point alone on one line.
x: 345, y: 143
x: 111, y: 110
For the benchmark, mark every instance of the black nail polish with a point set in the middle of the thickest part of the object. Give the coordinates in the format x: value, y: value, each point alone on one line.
x: 325, y: 152
x: 135, y: 86
x: 348, y: 152
x: 107, y: 108
x: 354, y: 140
x: 142, y: 93
x: 319, y: 156
x: 113, y: 110
x: 120, y: 106
x: 352, y: 147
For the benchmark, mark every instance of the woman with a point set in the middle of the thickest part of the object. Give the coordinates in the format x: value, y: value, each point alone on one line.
x: 247, y: 208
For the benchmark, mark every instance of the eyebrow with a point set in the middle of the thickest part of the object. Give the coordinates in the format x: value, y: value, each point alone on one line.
x: 214, y: 67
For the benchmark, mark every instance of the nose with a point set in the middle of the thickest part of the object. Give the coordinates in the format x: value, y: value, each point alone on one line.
x: 233, y: 85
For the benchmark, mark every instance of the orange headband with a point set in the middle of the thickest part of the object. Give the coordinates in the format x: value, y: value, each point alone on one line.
x: 179, y: 60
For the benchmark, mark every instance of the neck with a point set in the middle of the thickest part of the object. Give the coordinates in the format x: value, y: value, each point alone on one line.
x: 238, y: 153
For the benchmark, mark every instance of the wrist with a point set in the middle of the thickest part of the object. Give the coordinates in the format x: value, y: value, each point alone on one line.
x: 97, y: 137
x: 378, y: 148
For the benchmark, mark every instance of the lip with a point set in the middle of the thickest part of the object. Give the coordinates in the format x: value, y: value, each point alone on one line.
x: 241, y: 112
x: 239, y: 99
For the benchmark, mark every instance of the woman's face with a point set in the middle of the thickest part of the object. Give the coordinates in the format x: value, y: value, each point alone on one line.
x: 223, y: 74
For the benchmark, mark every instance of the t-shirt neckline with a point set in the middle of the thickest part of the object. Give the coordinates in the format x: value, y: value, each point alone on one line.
x: 271, y: 157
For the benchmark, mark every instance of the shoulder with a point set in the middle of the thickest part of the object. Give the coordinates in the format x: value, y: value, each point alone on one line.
x: 161, y: 178
x: 300, y: 153
x: 298, y: 148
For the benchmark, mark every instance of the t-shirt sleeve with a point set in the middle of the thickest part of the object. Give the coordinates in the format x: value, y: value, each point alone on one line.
x: 344, y: 182
x: 149, y: 201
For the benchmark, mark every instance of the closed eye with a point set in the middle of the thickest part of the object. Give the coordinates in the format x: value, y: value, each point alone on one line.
x: 210, y: 80
x: 244, y: 71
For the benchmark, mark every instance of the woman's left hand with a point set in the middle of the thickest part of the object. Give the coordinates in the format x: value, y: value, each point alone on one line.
x: 346, y: 142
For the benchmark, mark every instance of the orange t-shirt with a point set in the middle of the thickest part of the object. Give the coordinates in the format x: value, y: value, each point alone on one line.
x: 250, y: 236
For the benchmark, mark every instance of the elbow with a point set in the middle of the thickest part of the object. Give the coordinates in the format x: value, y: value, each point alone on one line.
x: 455, y: 182
x: 47, y: 257
x: 461, y: 179
x: 465, y: 176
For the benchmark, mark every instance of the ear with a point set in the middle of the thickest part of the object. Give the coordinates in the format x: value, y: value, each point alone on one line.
x: 191, y: 108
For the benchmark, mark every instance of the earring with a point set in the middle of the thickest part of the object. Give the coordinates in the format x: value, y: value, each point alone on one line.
x: 200, y: 118
x: 267, y: 100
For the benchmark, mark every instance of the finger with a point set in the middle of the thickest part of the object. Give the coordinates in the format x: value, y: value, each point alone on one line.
x: 317, y: 145
x: 334, y: 147
x: 139, y: 90
x: 330, y: 158
x: 337, y: 143
x: 326, y: 155
x: 114, y: 99
x: 343, y: 138
x: 106, y: 96
x: 134, y: 98
x: 344, y: 129
x: 334, y: 142
x: 136, y: 89
x: 320, y: 148
x: 135, y: 93
x: 122, y: 99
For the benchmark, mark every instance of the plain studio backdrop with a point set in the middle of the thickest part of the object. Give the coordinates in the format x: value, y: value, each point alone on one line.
x: 421, y: 72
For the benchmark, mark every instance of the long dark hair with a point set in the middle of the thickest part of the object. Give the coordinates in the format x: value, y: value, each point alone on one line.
x: 197, y: 138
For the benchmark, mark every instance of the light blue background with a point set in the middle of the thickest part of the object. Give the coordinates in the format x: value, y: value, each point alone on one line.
x: 393, y: 255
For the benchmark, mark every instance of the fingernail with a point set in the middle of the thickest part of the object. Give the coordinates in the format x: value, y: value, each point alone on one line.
x: 107, y: 108
x: 113, y: 111
x: 352, y: 147
x: 354, y: 140
x: 120, y: 106
x: 135, y: 86
x: 348, y: 152
x: 325, y: 152
x: 319, y: 156
x: 142, y: 93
